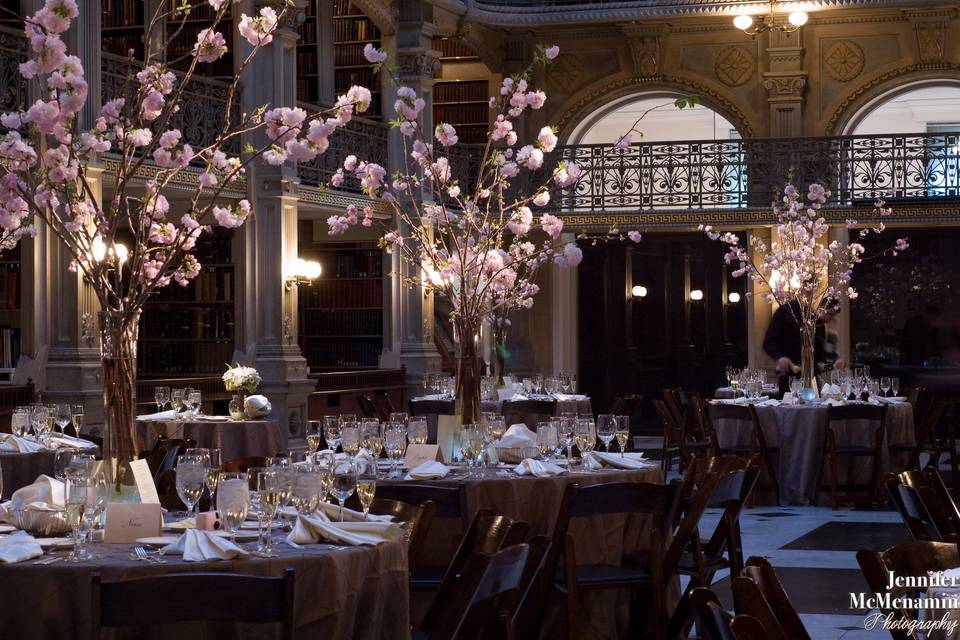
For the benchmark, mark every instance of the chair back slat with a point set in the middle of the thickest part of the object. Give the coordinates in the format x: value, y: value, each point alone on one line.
x: 528, y: 615
x: 761, y: 575
x: 713, y: 622
x: 622, y: 497
x: 448, y: 500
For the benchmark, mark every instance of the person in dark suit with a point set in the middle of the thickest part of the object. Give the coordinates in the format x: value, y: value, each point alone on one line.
x: 783, y: 342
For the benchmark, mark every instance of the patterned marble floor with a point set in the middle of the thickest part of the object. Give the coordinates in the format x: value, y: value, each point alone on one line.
x: 813, y: 551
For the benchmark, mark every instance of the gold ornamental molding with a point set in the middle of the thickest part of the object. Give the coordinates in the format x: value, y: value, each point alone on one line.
x: 186, y: 179
x: 338, y: 201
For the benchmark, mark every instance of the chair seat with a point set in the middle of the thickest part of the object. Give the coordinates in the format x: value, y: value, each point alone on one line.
x: 640, y: 560
x: 606, y: 576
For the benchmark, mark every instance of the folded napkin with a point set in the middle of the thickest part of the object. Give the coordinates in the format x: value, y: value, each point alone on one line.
x: 170, y: 414
x: 212, y: 418
x: 894, y: 399
x: 332, y: 511
x: 429, y: 470
x: 257, y: 406
x: 531, y: 467
x: 769, y: 402
x: 197, y: 546
x: 433, y: 396
x: 830, y: 389
x: 635, y: 460
x: 45, y: 493
x: 788, y: 398
x: 10, y: 442
x: 63, y: 441
x: 517, y: 436
x: 833, y: 402
x: 18, y: 547
x: 317, y: 527
x: 569, y: 396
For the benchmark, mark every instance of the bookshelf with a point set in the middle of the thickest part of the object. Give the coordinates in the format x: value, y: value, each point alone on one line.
x: 308, y: 63
x: 122, y: 27
x: 10, y: 316
x: 201, y: 17
x: 464, y: 105
x: 341, y: 314
x: 352, y: 30
x: 190, y: 330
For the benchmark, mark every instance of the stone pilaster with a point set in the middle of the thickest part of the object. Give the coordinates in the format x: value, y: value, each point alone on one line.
x: 563, y: 309
x: 759, y: 312
x: 785, y: 82
x: 841, y: 323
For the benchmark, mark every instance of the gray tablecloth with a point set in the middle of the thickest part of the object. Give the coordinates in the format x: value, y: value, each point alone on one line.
x: 800, y: 433
x: 352, y: 593
x: 21, y: 469
x: 580, y: 407
x: 536, y: 501
x: 234, y: 439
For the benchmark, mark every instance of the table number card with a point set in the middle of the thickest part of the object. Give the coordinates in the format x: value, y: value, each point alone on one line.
x: 146, y: 487
x: 417, y: 454
x: 448, y: 437
x: 128, y: 522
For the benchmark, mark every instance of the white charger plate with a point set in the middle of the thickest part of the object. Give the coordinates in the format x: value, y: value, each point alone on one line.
x: 157, y: 541
x: 54, y: 543
x: 7, y: 528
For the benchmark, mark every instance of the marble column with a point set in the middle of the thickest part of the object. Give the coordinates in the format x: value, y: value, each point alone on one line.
x: 563, y: 307
x: 841, y: 323
x: 273, y: 195
x: 759, y: 312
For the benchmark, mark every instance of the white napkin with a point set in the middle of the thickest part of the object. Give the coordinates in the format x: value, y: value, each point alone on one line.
x: 429, y: 470
x: 349, y: 515
x: 894, y: 399
x: 44, y: 492
x: 788, y: 398
x: 170, y: 414
x: 197, y: 546
x: 769, y: 402
x: 182, y: 525
x: 63, y: 441
x: 519, y: 396
x: 10, y: 442
x: 531, y: 467
x: 257, y: 406
x: 830, y: 389
x: 317, y: 527
x: 517, y: 436
x: 833, y: 402
x: 212, y: 418
x: 634, y: 460
x: 18, y: 547
x: 569, y: 396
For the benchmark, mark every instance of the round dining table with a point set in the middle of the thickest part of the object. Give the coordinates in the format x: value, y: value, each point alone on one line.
x: 21, y: 469
x: 536, y: 501
x: 340, y: 593
x: 234, y: 438
x: 799, y: 432
x: 578, y: 404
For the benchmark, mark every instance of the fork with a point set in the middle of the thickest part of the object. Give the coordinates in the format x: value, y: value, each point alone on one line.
x: 142, y: 554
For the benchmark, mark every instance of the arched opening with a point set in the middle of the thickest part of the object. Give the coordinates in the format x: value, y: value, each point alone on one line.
x: 921, y: 107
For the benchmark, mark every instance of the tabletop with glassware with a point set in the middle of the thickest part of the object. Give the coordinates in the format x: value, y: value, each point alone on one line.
x: 798, y: 427
x: 266, y: 519
x: 236, y: 438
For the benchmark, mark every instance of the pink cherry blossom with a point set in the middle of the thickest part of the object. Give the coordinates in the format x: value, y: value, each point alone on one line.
x: 258, y: 30
x: 552, y: 52
x: 210, y: 46
x: 374, y: 55
x: 551, y: 225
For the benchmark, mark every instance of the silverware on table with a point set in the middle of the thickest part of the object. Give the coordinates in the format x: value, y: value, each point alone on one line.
x: 142, y: 554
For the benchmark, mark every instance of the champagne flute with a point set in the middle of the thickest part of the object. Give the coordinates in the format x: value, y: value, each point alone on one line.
x: 331, y: 432
x: 76, y: 417
x: 268, y: 499
x: 895, y: 386
x: 623, y: 432
x: 606, y: 429
x: 233, y: 500
x: 344, y: 481
x: 325, y: 462
x: 162, y: 396
x: 366, y: 484
x: 314, y: 429
x: 75, y: 500
x: 212, y: 476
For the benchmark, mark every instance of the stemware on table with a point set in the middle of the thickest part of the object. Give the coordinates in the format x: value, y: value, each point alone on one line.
x: 76, y: 418
x: 350, y: 438
x: 233, y: 500
x: 585, y: 435
x: 176, y: 402
x: 366, y: 484
x: 191, y: 475
x: 395, y: 444
x: 371, y: 440
x: 75, y: 501
x: 331, y: 432
x: 267, y: 486
x: 546, y: 438
x: 606, y: 429
x: 417, y: 432
x: 344, y: 481
x: 623, y: 432
x: 314, y: 433
x: 161, y: 396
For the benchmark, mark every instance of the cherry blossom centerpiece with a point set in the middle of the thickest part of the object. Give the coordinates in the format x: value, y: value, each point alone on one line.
x: 44, y: 160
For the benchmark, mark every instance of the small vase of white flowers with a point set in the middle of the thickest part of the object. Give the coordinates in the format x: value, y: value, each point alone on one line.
x: 244, y: 381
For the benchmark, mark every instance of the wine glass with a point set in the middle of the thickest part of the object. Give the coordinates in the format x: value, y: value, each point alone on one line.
x: 394, y: 443
x: 606, y: 429
x: 567, y: 426
x: 885, y: 385
x: 546, y: 438
x: 76, y: 417
x: 314, y: 431
x: 196, y: 404
x: 75, y: 501
x: 162, y: 396
x: 496, y: 425
x: 370, y: 439
x: 399, y: 416
x: 62, y: 416
x: 324, y: 462
x: 417, y: 432
x: 306, y: 489
x: 623, y: 432
x: 331, y: 432
x: 97, y: 495
x: 233, y: 500
x: 20, y: 421
x: 585, y: 436
x: 366, y: 484
x: 350, y: 438
x: 268, y: 499
x: 191, y: 477
x: 895, y: 386
x: 344, y: 481
x: 213, y: 473
x: 176, y: 401
x: 348, y: 419
x: 38, y: 419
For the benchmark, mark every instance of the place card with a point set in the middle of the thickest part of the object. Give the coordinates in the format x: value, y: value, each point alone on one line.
x: 128, y: 522
x: 448, y: 438
x: 417, y: 454
x: 146, y: 487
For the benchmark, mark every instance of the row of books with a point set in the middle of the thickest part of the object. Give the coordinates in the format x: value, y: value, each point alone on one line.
x: 185, y: 358
x: 10, y: 286
x: 457, y: 114
x: 190, y: 323
x: 308, y: 32
x: 335, y: 353
x: 339, y: 322
x: 474, y: 90
x: 452, y: 49
x: 349, y: 55
x: 307, y: 63
x: 308, y: 90
x: 344, y: 294
x: 360, y: 264
x: 352, y: 29
x: 344, y: 8
x: 211, y: 285
x: 9, y: 347
x: 122, y: 13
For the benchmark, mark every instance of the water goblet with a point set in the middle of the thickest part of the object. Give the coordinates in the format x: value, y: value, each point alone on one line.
x: 176, y: 402
x: 885, y: 385
x: 399, y: 416
x: 566, y: 428
x: 191, y: 475
x: 20, y: 421
x: 546, y: 438
x: 331, y: 432
x: 305, y: 495
x: 350, y: 438
x: 344, y: 481
x: 394, y: 443
x: 606, y: 429
x: 417, y: 432
x: 585, y: 436
x: 370, y: 439
x: 233, y: 500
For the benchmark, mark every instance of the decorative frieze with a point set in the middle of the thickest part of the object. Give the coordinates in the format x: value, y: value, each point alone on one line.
x: 844, y: 60
x: 734, y: 65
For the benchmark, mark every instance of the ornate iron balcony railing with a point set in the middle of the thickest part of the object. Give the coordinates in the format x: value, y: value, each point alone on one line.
x: 367, y: 139
x: 13, y: 86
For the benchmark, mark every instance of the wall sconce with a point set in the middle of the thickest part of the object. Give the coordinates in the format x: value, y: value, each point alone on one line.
x: 638, y: 291
x: 734, y: 297
x: 302, y: 272
x: 696, y: 295
x: 745, y: 22
x: 99, y: 251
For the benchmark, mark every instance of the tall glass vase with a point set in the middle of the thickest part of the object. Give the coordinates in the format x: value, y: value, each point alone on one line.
x: 118, y: 356
x: 468, y: 375
x: 808, y: 331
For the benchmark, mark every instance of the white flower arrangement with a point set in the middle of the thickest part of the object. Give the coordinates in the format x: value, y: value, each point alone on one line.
x: 239, y: 378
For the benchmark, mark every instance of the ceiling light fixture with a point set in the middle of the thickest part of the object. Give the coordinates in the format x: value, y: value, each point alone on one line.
x: 752, y: 27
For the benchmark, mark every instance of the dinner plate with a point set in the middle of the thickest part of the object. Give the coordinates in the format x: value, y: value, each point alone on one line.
x: 158, y: 541
x: 242, y: 535
x: 7, y: 528
x: 54, y: 543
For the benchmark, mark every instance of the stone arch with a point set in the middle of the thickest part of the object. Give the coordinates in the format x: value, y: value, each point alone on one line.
x: 594, y: 103
x: 861, y: 100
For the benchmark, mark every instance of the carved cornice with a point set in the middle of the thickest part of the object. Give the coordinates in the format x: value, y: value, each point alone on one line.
x: 333, y: 200
x: 185, y: 180
x: 383, y: 13
x: 714, y: 99
x: 857, y: 94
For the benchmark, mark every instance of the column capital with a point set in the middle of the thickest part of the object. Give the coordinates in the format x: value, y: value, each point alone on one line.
x: 418, y: 63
